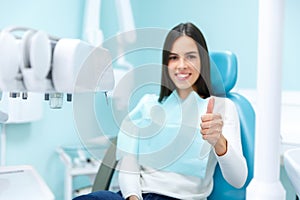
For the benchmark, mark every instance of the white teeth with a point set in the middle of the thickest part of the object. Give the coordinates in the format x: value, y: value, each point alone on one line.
x: 182, y: 75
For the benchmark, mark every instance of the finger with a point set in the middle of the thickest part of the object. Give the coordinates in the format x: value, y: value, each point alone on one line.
x: 206, y: 125
x: 210, y: 105
x: 207, y: 131
x: 204, y: 132
x: 207, y: 134
x: 209, y: 117
x: 212, y: 124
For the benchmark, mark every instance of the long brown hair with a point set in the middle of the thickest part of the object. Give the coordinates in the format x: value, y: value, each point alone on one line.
x: 203, y: 84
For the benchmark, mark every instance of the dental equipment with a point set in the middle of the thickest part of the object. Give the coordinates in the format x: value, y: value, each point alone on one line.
x: 125, y: 19
x: 91, y: 33
x: 291, y: 161
x: 19, y: 182
x: 127, y: 34
x: 16, y: 182
x: 3, y: 117
x: 38, y: 62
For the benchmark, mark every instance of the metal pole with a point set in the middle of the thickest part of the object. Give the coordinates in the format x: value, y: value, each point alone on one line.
x: 266, y: 184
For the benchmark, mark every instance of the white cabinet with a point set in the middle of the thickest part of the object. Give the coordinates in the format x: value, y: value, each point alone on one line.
x: 79, y: 161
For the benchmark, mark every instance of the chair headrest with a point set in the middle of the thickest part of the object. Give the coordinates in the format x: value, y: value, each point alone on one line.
x: 223, y: 71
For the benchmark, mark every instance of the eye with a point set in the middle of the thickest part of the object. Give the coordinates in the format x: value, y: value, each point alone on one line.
x: 191, y: 57
x: 173, y: 57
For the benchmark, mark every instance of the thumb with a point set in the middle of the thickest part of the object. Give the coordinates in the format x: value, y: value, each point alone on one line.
x: 210, y: 105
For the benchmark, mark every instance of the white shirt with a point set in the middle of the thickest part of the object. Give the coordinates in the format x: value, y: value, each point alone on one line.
x: 232, y: 164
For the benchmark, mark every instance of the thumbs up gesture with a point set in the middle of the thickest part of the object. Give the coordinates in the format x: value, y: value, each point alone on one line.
x: 211, y: 124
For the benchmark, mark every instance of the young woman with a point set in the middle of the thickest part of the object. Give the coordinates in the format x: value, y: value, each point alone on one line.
x: 175, y: 140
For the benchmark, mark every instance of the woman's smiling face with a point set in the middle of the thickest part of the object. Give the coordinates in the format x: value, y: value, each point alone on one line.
x: 184, y: 65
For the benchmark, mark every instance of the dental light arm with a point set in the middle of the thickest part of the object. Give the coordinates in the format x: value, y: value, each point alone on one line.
x: 91, y: 33
x: 126, y: 21
x: 37, y: 62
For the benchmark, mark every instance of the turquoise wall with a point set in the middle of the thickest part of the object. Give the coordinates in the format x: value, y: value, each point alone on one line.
x: 227, y: 25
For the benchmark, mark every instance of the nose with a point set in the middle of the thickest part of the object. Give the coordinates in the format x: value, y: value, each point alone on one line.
x: 182, y: 63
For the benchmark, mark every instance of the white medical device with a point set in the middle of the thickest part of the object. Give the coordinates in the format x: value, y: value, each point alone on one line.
x: 33, y: 61
x: 21, y: 182
x: 38, y: 62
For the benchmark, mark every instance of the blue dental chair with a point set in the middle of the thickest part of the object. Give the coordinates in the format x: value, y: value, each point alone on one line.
x: 224, y: 76
x: 226, y: 66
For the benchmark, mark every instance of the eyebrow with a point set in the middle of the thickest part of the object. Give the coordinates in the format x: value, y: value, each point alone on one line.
x: 171, y: 53
x: 187, y: 53
x: 191, y: 52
